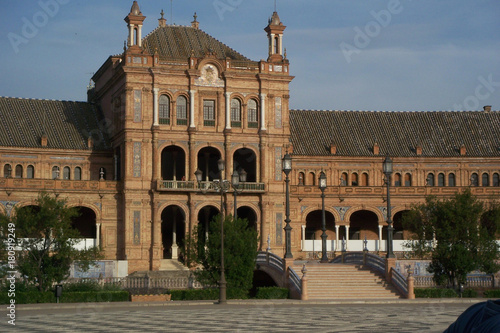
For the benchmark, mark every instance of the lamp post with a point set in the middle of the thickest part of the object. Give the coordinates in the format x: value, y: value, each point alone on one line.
x: 221, y: 185
x: 322, y: 187
x: 236, y: 178
x: 287, y: 167
x: 387, y: 168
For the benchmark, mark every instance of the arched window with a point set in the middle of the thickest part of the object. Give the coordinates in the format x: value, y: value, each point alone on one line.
x: 235, y: 112
x: 354, y: 179
x: 451, y: 180
x: 78, y: 173
x: 496, y: 179
x: 474, y: 179
x: 343, y: 179
x: 441, y: 179
x: 276, y: 45
x: 407, y: 179
x: 66, y: 173
x: 430, y: 179
x: 181, y: 110
x: 164, y: 110
x: 311, y: 179
x: 397, y: 179
x: 7, y: 171
x: 208, y: 113
x: 19, y: 171
x: 55, y: 172
x: 102, y: 173
x: 30, y: 172
x: 485, y: 180
x: 364, y: 179
x: 253, y: 115
x: 301, y: 178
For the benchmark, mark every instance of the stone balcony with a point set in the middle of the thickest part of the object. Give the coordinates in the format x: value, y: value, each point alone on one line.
x: 343, y: 192
x: 193, y: 186
x: 18, y: 184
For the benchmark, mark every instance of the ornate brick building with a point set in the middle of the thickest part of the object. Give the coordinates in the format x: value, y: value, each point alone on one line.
x: 178, y: 100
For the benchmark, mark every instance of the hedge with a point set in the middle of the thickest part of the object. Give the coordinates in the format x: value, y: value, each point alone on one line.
x: 271, y: 293
x: 206, y: 294
x: 494, y: 293
x: 443, y: 293
x: 66, y: 297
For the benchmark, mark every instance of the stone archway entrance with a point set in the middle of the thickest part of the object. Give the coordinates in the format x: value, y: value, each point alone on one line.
x: 173, y: 232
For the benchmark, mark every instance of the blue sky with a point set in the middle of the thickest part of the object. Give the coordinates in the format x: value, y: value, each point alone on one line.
x: 397, y: 55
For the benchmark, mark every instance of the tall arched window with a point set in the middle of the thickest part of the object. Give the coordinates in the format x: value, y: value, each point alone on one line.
x: 474, y: 179
x: 397, y: 179
x: 407, y: 179
x: 451, y: 180
x: 430, y: 179
x: 343, y: 179
x: 364, y: 179
x: 66, y: 173
x: 235, y: 112
x: 301, y: 178
x: 354, y: 179
x: 78, y: 173
x: 253, y: 116
x: 496, y: 179
x: 164, y: 111
x: 19, y: 171
x: 441, y: 179
x: 311, y: 179
x: 55, y: 172
x: 181, y: 110
x: 7, y: 171
x: 485, y: 180
x: 30, y: 172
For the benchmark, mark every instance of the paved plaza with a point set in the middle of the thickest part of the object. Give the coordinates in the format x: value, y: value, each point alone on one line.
x: 240, y: 316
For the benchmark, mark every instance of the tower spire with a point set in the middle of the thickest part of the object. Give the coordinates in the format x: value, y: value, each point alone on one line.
x: 275, y: 30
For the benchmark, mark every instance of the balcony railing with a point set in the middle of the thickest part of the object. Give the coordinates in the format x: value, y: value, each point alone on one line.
x: 189, y: 186
x: 57, y: 184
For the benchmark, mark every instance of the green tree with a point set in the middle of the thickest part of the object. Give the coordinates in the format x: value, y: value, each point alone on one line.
x: 240, y: 252
x: 465, y: 232
x: 47, y: 240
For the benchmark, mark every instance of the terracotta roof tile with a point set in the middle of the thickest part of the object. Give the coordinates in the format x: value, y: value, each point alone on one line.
x: 398, y: 133
x: 67, y: 124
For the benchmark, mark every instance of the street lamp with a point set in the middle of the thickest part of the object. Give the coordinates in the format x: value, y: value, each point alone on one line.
x: 221, y: 185
x: 322, y: 187
x: 236, y: 178
x: 387, y: 168
x: 287, y: 167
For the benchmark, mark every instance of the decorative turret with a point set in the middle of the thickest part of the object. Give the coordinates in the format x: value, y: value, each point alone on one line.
x: 162, y: 22
x: 274, y: 31
x: 195, y: 24
x: 134, y: 20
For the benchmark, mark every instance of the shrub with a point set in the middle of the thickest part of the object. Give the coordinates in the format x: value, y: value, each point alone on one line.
x: 494, y: 293
x: 435, y: 293
x: 469, y: 293
x: 31, y: 297
x: 271, y: 293
x: 206, y: 294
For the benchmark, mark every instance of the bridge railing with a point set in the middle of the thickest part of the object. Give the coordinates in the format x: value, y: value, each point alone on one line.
x: 399, y: 282
x: 270, y: 259
x: 375, y: 262
x: 295, y: 281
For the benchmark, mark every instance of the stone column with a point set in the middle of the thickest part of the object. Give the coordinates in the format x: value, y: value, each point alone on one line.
x: 131, y: 35
x: 263, y: 112
x: 139, y: 35
x: 98, y: 235
x: 337, y: 227
x: 302, y: 245
x: 346, y: 237
x: 175, y: 248
x: 155, y: 106
x: 380, y: 227
x: 228, y: 110
x: 191, y: 108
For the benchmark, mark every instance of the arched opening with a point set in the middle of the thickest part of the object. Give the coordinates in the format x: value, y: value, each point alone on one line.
x: 441, y: 180
x: 182, y: 110
x: 66, y: 173
x: 474, y: 180
x: 343, y: 179
x: 354, y: 179
x: 399, y: 232
x: 363, y: 224
x: 55, y: 172
x: 78, y: 173
x: 30, y: 172
x: 85, y: 222
x: 485, y: 180
x: 235, y: 112
x: 205, y: 216
x: 245, y: 159
x: 451, y: 180
x: 407, y: 179
x: 253, y: 114
x: 301, y: 179
x: 314, y: 225
x: 173, y: 163
x: 397, y: 179
x: 173, y: 231
x: 260, y: 280
x: 19, y: 171
x: 207, y: 163
x: 248, y: 213
x: 311, y: 179
x: 7, y: 171
x: 164, y: 110
x: 364, y: 179
x: 430, y: 179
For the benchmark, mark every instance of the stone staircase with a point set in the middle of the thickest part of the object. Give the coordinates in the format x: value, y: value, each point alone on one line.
x: 345, y: 281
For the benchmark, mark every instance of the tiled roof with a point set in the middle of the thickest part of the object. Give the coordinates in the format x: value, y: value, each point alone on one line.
x: 180, y: 42
x: 440, y: 134
x: 66, y: 124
